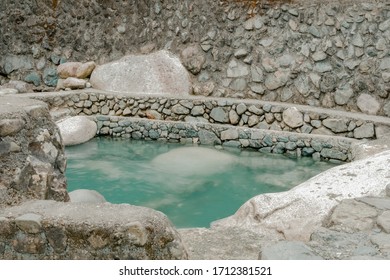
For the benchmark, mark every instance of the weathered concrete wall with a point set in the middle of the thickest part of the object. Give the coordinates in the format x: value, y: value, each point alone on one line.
x: 32, y: 161
x: 331, y: 54
x: 56, y: 230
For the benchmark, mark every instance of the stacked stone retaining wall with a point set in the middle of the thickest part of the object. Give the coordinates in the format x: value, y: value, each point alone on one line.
x: 294, y: 144
x: 241, y: 113
x: 332, y: 54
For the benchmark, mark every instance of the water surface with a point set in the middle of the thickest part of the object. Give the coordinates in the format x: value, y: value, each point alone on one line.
x: 192, y: 185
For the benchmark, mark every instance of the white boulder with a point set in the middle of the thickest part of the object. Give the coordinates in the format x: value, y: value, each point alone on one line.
x: 77, y: 130
x: 159, y: 73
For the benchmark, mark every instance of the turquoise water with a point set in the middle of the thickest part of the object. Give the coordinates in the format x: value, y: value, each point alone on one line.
x: 192, y: 185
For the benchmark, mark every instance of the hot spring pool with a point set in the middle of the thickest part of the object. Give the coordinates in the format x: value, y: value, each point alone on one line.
x: 192, y: 185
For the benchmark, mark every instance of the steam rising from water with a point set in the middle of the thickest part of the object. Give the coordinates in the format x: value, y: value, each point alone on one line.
x: 192, y: 185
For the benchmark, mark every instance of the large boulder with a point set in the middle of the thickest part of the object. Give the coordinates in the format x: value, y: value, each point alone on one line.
x: 32, y: 160
x: 77, y: 130
x: 296, y: 214
x: 158, y: 73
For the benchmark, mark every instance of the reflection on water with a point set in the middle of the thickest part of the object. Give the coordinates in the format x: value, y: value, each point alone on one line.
x: 191, y: 185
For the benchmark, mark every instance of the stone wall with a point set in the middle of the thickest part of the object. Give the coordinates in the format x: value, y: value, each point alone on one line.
x: 329, y: 54
x: 55, y: 230
x: 32, y: 161
x: 241, y: 113
x: 294, y: 144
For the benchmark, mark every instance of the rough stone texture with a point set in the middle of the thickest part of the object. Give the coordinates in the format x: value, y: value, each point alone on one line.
x: 296, y: 214
x: 77, y: 130
x: 353, y: 215
x: 73, y: 83
x: 258, y: 114
x: 293, y: 117
x: 101, y: 231
x: 273, y: 47
x: 160, y: 73
x: 336, y: 125
x: 384, y: 221
x: 32, y: 161
x: 288, y: 250
x: 364, y: 131
x: 368, y: 104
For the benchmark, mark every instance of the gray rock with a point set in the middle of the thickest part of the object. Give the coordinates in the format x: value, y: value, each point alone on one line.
x: 333, y: 154
x: 385, y: 64
x: 384, y: 221
x: 276, y: 80
x: 365, y: 131
x: 377, y: 202
x: 241, y: 108
x: 193, y: 59
x: 293, y: 117
x: 357, y: 41
x: 165, y: 75
x: 197, y: 111
x: 180, y: 110
x: 237, y: 69
x: 9, y: 127
x: 319, y: 56
x: 253, y: 120
x: 238, y: 84
x: 353, y: 215
x: 208, y: 138
x: 34, y: 78
x: 86, y: 196
x: 388, y: 190
x: 77, y: 130
x: 219, y: 115
x: 336, y: 125
x: 230, y: 134
x: 386, y: 109
x: 257, y: 88
x: 343, y: 95
x: 286, y: 94
x: 257, y: 74
x: 20, y: 86
x: 288, y: 250
x: 5, y: 91
x: 50, y: 77
x: 322, y: 67
x: 234, y: 118
x: 382, y: 240
x: 138, y: 232
x: 255, y: 110
x: 368, y: 104
x: 29, y: 223
x: 11, y: 63
x: 74, y: 83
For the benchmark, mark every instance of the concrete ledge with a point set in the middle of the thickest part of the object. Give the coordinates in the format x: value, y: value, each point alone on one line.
x: 54, y: 230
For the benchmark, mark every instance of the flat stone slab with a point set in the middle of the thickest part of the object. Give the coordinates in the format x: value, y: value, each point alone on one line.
x: 288, y: 250
x: 87, y: 231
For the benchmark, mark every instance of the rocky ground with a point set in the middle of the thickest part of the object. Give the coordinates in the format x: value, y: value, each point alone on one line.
x: 357, y: 229
x: 354, y: 228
